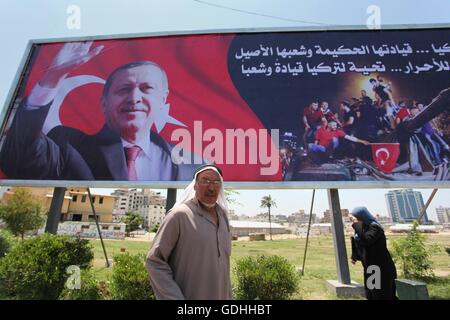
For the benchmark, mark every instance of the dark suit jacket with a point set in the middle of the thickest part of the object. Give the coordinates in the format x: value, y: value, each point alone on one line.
x: 66, y: 153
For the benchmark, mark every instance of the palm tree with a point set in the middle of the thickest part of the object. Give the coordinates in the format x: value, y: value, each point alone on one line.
x: 267, y: 202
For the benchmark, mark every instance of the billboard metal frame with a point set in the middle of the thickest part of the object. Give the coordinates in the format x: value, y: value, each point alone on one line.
x: 9, y: 108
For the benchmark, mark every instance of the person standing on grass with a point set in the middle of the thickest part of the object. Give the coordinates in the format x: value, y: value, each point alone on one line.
x: 190, y: 255
x: 369, y: 247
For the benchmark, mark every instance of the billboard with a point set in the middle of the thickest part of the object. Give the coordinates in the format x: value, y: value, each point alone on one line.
x: 283, y: 109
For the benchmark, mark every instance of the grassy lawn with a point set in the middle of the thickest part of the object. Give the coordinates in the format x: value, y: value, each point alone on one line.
x: 320, y: 262
x: 113, y: 247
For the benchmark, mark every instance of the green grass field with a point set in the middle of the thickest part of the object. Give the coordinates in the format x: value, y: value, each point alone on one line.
x: 320, y: 262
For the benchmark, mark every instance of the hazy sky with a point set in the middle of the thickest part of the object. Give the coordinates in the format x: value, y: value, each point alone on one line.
x: 22, y: 20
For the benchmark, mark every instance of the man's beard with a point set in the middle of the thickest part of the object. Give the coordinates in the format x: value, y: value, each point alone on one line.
x: 207, y: 205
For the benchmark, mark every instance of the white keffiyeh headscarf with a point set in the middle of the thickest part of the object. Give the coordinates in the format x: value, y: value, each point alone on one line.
x: 189, y: 192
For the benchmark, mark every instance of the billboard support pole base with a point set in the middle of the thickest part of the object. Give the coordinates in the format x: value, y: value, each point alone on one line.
x: 425, y: 207
x: 309, y: 228
x: 54, y: 214
x: 171, y: 198
x: 337, y: 227
x: 98, y: 227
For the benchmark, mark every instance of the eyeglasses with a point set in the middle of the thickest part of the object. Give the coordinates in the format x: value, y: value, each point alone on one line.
x: 206, y: 182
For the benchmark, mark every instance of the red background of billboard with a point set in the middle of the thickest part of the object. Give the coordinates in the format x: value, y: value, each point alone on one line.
x: 199, y: 83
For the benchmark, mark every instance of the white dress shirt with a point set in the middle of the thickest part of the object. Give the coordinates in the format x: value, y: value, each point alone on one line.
x: 150, y: 162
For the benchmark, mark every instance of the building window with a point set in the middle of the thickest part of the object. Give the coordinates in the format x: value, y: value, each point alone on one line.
x: 116, y: 228
x: 74, y: 198
x: 84, y: 227
x: 83, y: 199
x: 101, y: 200
x: 91, y: 218
x: 93, y: 199
x: 105, y: 227
x: 76, y: 217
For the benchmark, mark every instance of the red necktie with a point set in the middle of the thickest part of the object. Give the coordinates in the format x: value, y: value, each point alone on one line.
x: 132, y: 154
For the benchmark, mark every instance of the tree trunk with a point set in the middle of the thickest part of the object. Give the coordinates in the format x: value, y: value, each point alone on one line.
x: 270, y: 225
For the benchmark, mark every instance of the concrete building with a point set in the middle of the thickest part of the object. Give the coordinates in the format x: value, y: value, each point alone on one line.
x: 281, y: 218
x: 443, y: 214
x: 121, y: 205
x: 405, y: 228
x: 137, y: 201
x: 404, y: 205
x: 76, y: 205
x: 321, y: 229
x: 244, y: 228
x: 80, y: 207
x: 122, y: 199
x: 383, y: 220
x: 327, y: 216
x: 77, y: 218
x: 232, y: 215
x: 43, y: 195
x: 301, y: 217
x: 156, y: 214
x: 149, y: 204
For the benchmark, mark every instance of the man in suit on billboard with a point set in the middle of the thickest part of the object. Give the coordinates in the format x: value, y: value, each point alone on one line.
x: 124, y: 149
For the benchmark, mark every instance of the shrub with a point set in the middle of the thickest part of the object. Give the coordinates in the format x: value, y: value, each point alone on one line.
x: 89, y: 289
x: 4, y: 246
x: 36, y: 267
x: 6, y: 241
x: 155, y: 228
x: 265, y: 277
x: 130, y: 279
x: 413, y: 255
x: 104, y: 289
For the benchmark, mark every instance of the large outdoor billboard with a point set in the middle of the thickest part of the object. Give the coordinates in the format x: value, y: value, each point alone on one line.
x: 352, y: 107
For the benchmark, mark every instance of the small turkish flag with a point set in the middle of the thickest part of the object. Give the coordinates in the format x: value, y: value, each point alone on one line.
x: 385, y: 155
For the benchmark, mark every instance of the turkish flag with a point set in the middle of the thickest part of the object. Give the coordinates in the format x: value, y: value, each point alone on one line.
x: 385, y: 155
x: 200, y: 89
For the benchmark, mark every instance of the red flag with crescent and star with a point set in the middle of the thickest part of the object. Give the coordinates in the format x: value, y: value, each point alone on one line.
x: 385, y: 155
x: 200, y: 89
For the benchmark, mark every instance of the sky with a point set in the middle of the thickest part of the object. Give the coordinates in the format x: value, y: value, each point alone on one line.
x: 23, y: 20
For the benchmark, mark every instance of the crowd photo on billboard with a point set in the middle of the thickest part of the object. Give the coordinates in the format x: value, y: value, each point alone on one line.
x: 273, y: 106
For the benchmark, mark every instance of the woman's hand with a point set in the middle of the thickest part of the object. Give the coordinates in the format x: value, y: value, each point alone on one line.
x: 353, y: 219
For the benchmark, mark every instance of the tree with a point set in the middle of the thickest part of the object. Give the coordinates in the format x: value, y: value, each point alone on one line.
x: 267, y: 202
x: 229, y: 196
x: 155, y: 228
x: 413, y: 255
x: 133, y: 221
x: 22, y: 213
